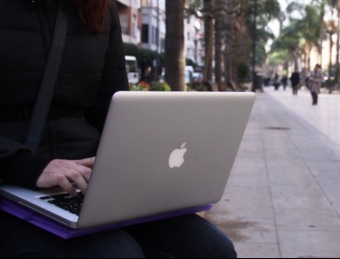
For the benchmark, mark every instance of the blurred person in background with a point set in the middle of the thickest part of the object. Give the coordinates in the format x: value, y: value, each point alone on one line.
x: 315, y: 83
x: 295, y: 80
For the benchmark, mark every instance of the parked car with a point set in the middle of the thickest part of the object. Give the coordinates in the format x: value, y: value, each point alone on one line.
x: 188, y: 76
x: 197, y: 77
x: 132, y: 69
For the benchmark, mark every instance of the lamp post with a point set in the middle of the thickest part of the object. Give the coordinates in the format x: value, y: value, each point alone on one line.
x: 254, y: 87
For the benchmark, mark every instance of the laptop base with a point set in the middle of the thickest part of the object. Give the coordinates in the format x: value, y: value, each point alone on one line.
x: 64, y: 232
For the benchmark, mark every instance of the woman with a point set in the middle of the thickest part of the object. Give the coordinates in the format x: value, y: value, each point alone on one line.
x: 92, y: 70
x: 315, y: 80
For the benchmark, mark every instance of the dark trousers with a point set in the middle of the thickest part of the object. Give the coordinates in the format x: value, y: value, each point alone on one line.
x: 182, y: 237
x: 315, y: 97
x: 295, y: 89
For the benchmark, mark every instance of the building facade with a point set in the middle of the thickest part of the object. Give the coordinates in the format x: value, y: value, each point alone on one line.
x: 129, y: 15
x: 153, y: 25
x: 143, y: 24
x: 194, y: 35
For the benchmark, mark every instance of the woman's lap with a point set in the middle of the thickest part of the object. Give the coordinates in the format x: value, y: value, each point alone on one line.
x: 19, y: 239
x: 180, y: 237
x: 187, y: 236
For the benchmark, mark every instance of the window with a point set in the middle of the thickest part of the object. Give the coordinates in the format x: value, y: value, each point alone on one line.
x: 124, y: 21
x: 157, y: 36
x: 162, y: 45
x: 134, y: 27
x: 145, y: 3
x: 145, y: 33
x: 153, y: 35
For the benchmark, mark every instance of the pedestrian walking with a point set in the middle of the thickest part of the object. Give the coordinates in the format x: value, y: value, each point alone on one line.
x: 284, y: 82
x: 295, y: 80
x: 315, y: 81
x: 276, y: 82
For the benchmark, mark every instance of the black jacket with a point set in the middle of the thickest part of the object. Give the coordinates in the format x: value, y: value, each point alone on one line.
x: 92, y: 70
x: 295, y: 78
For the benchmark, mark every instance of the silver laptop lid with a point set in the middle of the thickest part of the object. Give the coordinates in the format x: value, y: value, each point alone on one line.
x: 164, y: 151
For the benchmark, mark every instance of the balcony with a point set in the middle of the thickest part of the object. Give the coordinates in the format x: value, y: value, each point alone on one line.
x: 130, y: 3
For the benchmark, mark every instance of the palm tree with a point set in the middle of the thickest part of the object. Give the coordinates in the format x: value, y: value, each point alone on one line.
x: 322, y: 5
x: 239, y: 35
x: 175, y: 46
x: 308, y: 28
x: 335, y: 24
x: 219, y: 30
x: 232, y: 34
x: 299, y: 38
x: 237, y: 40
x: 208, y: 38
x: 310, y: 32
x: 289, y: 39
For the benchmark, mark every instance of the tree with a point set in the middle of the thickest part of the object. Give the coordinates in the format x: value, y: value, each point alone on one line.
x: 219, y: 31
x: 289, y: 40
x: 240, y: 30
x: 231, y: 34
x: 208, y: 38
x: 175, y: 47
x: 267, y: 10
x: 301, y: 35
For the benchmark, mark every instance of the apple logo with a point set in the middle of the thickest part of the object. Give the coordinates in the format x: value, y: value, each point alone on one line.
x: 177, y: 157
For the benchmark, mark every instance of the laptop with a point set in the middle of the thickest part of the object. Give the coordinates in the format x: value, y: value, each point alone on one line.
x: 159, y: 152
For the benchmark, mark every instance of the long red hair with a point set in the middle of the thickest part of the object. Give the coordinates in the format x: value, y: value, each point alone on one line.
x: 93, y: 13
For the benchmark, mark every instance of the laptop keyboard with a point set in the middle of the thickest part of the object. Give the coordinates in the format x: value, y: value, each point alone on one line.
x: 66, y: 202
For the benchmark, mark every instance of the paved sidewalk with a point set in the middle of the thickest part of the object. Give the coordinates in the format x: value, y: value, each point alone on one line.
x: 283, y: 196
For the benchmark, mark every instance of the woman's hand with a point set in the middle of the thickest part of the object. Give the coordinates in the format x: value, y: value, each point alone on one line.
x: 67, y: 174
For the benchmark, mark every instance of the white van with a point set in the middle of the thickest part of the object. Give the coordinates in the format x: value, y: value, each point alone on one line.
x: 189, y: 71
x: 132, y: 69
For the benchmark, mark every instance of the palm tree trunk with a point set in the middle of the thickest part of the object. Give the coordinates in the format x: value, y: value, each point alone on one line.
x: 337, y: 71
x: 296, y: 60
x: 228, y: 42
x: 309, y: 58
x: 322, y: 31
x: 175, y: 48
x: 219, y: 22
x: 209, y: 38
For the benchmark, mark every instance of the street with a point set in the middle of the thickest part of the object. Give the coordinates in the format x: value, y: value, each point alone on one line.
x: 283, y: 196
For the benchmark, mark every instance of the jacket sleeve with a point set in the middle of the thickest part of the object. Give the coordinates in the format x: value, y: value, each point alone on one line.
x: 18, y: 165
x: 114, y: 77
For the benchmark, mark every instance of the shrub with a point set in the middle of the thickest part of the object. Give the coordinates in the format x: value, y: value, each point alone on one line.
x: 243, y: 71
x: 142, y: 86
x: 160, y: 87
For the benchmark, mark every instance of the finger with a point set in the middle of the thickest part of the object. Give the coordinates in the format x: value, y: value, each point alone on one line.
x: 88, y: 162
x: 64, y: 173
x: 84, y: 171
x: 65, y: 177
x: 77, y: 178
x: 62, y: 181
x: 78, y: 174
